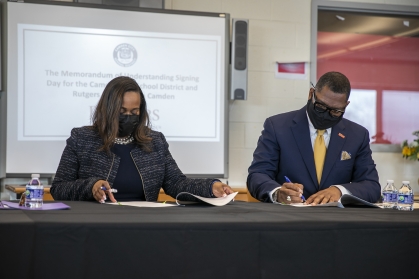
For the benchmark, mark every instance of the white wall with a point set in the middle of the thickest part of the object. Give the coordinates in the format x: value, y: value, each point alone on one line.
x: 279, y: 30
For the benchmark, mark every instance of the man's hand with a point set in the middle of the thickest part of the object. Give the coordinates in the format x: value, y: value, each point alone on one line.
x: 331, y: 194
x: 220, y: 189
x: 292, y: 190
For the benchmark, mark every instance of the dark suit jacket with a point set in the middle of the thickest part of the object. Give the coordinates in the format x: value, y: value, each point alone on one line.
x: 82, y: 165
x: 285, y: 149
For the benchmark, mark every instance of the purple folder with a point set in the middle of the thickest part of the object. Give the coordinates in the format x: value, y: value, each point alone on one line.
x: 45, y: 206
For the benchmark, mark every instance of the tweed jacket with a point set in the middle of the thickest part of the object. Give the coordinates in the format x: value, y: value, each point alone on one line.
x: 82, y: 165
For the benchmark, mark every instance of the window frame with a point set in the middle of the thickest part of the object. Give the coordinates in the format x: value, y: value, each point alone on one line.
x: 327, y: 5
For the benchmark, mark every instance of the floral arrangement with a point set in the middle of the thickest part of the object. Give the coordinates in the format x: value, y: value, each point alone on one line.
x: 411, y: 150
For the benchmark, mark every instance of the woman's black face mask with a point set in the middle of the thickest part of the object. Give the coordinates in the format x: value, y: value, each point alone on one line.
x: 127, y: 124
x: 321, y: 120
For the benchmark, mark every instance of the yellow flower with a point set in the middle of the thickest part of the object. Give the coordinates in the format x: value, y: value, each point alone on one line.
x: 411, y: 150
x: 405, y: 151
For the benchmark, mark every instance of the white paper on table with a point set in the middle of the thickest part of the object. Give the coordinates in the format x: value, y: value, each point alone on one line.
x: 143, y: 204
x: 332, y: 204
x: 329, y: 204
x: 346, y: 199
x: 213, y: 201
x: 300, y: 204
x: 337, y: 204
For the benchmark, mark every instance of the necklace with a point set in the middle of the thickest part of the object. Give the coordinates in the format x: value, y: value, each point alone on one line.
x: 125, y: 140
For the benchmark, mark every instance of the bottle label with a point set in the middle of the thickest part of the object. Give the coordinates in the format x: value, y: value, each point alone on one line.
x: 389, y: 197
x: 394, y: 197
x: 34, y: 193
x: 405, y: 199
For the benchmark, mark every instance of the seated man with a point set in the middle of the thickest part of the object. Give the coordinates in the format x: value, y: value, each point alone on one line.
x: 324, y: 155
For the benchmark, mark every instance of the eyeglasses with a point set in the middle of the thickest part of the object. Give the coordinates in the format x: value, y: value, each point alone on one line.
x: 319, y: 107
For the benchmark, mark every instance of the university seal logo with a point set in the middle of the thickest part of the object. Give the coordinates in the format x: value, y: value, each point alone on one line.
x: 125, y: 55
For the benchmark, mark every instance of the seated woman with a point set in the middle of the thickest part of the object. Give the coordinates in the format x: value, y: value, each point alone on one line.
x: 121, y: 151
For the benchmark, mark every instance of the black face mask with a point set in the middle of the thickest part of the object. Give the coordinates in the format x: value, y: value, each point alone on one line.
x: 321, y: 120
x: 127, y: 124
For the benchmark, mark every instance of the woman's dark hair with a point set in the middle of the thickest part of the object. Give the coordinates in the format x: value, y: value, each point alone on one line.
x: 106, y: 115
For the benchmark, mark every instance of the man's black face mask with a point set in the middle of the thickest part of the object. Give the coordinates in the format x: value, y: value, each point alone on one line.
x: 321, y: 120
x: 127, y: 124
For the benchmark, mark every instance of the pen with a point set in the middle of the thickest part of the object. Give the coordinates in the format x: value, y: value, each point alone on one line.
x: 112, y: 190
x: 289, y: 181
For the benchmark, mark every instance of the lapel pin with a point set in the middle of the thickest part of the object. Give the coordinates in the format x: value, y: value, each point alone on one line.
x: 341, y: 135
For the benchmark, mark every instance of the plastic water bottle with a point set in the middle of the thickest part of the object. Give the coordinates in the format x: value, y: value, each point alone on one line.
x: 389, y: 195
x: 34, y: 192
x: 405, y: 197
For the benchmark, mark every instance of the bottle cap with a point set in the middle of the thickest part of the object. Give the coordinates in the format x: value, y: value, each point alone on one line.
x: 35, y: 175
x: 406, y: 182
x: 390, y: 181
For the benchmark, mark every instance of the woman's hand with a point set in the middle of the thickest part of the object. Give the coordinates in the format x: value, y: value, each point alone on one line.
x: 220, y: 189
x: 99, y: 194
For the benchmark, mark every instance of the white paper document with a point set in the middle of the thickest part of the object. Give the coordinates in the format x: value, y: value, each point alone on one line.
x: 346, y: 199
x: 143, y: 204
x: 300, y: 204
x: 332, y: 204
x: 213, y: 201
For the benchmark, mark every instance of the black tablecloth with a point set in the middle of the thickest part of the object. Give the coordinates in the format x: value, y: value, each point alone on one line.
x: 239, y: 240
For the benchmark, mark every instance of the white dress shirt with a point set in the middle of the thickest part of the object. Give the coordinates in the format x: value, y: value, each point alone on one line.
x: 313, y: 135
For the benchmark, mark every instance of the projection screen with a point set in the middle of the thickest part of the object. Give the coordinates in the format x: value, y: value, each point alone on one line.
x: 61, y: 56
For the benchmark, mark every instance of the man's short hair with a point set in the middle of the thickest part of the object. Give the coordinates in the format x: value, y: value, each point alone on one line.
x: 337, y: 83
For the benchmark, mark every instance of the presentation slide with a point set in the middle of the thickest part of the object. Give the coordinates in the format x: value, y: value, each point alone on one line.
x: 58, y: 69
x: 177, y: 73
